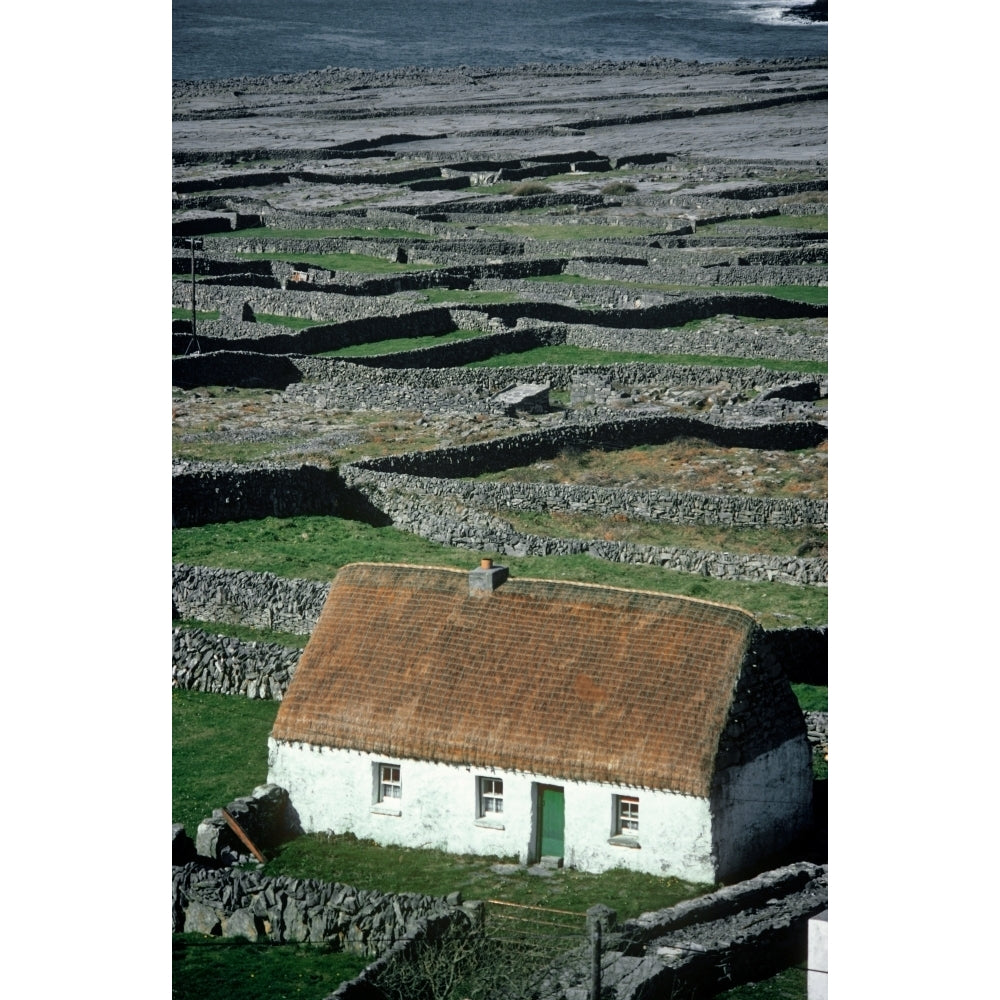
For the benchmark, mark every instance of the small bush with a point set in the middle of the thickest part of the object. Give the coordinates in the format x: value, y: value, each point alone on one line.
x: 618, y: 187
x: 531, y: 187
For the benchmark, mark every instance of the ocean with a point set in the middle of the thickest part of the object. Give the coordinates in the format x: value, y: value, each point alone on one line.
x: 220, y: 39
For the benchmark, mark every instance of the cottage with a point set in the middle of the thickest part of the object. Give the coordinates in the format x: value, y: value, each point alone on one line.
x: 488, y: 715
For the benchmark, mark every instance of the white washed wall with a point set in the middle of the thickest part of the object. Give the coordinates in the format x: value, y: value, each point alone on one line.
x: 759, y: 808
x: 674, y: 832
x: 333, y: 790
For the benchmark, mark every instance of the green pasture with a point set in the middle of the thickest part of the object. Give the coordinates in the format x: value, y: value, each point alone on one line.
x: 314, y: 548
x: 400, y: 344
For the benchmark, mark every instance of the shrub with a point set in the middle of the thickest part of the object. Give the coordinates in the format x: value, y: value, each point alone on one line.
x: 531, y: 187
x: 618, y: 187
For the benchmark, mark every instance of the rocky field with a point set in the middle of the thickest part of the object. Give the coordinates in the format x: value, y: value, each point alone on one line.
x: 378, y: 256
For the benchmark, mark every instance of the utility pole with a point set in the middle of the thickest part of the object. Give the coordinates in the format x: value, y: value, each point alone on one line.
x: 195, y: 245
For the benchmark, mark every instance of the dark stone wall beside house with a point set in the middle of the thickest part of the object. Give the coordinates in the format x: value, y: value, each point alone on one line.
x: 208, y: 493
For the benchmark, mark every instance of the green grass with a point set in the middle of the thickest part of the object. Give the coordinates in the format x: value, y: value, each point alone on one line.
x: 568, y: 354
x: 362, y: 863
x: 356, y: 262
x: 774, y: 541
x: 211, y: 968
x: 293, y: 322
x: 219, y: 752
x: 400, y: 344
x: 186, y: 313
x: 812, y: 697
x: 249, y: 451
x: 314, y: 548
x: 789, y: 984
x: 382, y: 233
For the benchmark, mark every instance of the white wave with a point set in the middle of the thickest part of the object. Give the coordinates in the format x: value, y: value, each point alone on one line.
x: 772, y: 12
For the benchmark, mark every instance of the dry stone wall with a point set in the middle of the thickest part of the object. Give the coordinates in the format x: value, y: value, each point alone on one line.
x: 220, y: 664
x: 402, y: 488
x: 340, y: 379
x: 450, y: 522
x: 534, y: 446
x: 658, y: 505
x: 206, y: 493
x: 708, y: 342
x: 241, y: 597
x: 234, y: 902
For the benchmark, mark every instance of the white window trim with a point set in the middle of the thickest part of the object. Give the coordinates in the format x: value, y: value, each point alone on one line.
x: 382, y: 804
x: 488, y: 820
x: 627, y: 836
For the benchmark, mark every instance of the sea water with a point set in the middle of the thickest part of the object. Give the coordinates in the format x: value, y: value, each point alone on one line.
x: 217, y: 39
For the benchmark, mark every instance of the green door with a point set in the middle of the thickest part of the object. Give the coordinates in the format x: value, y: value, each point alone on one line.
x: 550, y: 821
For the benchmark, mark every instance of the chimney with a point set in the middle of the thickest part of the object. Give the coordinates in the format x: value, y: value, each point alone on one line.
x: 487, y: 578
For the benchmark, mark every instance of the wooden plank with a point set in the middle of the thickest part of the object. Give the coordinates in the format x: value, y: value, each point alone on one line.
x: 238, y: 830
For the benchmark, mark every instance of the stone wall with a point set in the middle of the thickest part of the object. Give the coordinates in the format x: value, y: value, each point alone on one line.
x: 741, y: 933
x: 266, y: 816
x: 270, y: 338
x: 655, y: 505
x: 206, y: 493
x: 452, y: 523
x: 708, y: 342
x: 234, y: 902
x: 618, y: 314
x: 221, y: 664
x: 806, y: 648
x: 343, y: 379
x: 534, y: 446
x: 241, y: 597
x: 402, y: 488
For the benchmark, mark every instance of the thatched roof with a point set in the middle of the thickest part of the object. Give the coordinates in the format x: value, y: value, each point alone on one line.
x: 568, y: 680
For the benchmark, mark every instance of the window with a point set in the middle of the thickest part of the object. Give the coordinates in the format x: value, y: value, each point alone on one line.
x: 627, y: 816
x: 490, y: 798
x: 390, y: 788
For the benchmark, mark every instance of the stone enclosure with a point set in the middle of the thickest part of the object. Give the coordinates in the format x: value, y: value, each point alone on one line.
x: 370, y: 284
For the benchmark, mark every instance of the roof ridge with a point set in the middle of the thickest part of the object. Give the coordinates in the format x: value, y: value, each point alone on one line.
x: 568, y: 583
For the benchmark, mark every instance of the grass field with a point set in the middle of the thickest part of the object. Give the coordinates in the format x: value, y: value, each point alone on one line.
x: 219, y: 752
x: 212, y: 968
x: 400, y: 344
x: 314, y: 548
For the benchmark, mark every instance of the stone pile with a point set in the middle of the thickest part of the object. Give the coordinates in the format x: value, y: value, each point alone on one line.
x: 266, y: 817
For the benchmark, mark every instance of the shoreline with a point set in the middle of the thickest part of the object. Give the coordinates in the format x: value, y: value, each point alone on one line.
x: 357, y: 79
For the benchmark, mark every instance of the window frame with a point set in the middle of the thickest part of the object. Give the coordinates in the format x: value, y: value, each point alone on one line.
x: 387, y: 804
x: 486, y: 790
x: 627, y: 815
x: 624, y: 821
